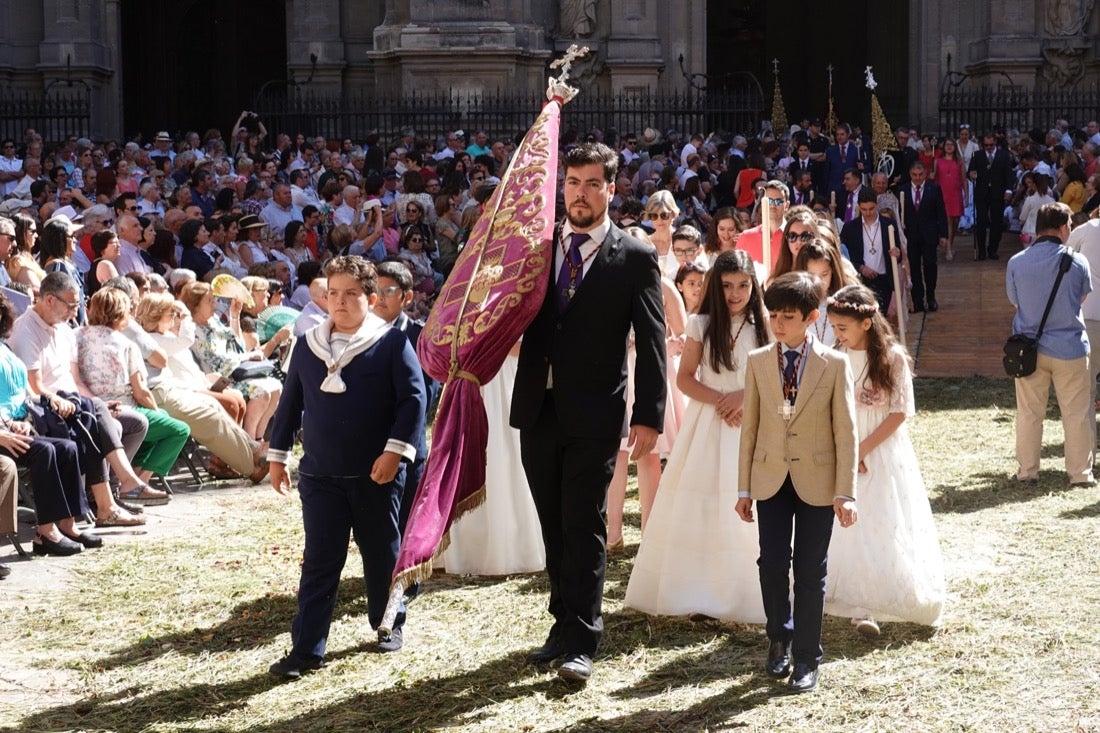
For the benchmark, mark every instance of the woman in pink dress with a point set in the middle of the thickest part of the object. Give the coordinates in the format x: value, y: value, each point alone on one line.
x: 948, y: 172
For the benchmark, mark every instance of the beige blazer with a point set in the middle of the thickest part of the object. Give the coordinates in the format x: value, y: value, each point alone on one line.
x: 817, y: 446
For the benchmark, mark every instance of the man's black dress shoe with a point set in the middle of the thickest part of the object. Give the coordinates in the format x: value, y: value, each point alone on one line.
x: 291, y: 666
x: 87, y: 539
x: 918, y: 308
x: 779, y: 659
x: 803, y: 679
x: 933, y: 305
x: 548, y: 652
x: 576, y: 667
x: 62, y: 548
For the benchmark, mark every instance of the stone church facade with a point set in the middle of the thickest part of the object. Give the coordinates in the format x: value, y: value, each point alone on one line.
x: 114, y: 49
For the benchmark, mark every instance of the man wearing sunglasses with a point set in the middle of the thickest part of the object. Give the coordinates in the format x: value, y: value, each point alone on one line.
x: 991, y: 172
x: 776, y: 198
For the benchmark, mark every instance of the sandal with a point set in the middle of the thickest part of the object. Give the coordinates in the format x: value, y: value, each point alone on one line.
x: 146, y: 495
x: 120, y: 518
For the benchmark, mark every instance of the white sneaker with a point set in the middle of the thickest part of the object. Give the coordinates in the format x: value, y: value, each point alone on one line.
x: 867, y: 626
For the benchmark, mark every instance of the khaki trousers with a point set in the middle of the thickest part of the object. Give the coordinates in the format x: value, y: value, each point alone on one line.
x: 1074, y: 394
x: 210, y: 425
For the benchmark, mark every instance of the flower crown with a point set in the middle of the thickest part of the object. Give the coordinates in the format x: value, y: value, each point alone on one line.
x: 866, y: 309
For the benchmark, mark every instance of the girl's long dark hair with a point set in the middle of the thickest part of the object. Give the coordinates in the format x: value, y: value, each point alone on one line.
x: 858, y: 302
x: 718, y: 332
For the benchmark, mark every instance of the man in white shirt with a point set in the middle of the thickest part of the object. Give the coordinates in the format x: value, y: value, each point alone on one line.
x: 32, y: 171
x: 454, y: 145
x: 130, y: 258
x: 630, y: 149
x: 281, y: 211
x: 149, y: 203
x: 301, y: 193
x: 348, y: 212
x: 690, y: 148
x: 316, y: 311
x: 11, y: 168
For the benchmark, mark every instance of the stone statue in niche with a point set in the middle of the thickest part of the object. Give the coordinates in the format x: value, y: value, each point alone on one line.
x: 1067, y: 17
x: 578, y: 18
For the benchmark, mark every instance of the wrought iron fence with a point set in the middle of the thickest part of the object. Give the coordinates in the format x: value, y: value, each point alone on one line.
x: 1013, y: 107
x: 504, y: 114
x: 55, y: 116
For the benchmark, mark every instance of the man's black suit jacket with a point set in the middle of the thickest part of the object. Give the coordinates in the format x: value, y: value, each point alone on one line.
x: 928, y: 225
x: 994, y: 176
x: 586, y: 346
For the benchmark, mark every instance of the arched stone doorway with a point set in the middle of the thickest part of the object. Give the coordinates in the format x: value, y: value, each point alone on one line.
x: 195, y: 64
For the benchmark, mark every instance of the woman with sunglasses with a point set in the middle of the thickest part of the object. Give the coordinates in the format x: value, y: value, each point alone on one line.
x: 801, y: 229
x: 21, y: 263
x: 661, y: 212
x: 425, y: 279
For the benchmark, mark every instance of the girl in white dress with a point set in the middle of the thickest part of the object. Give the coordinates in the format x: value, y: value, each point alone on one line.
x: 696, y: 556
x: 887, y: 566
x: 502, y: 536
x: 821, y: 260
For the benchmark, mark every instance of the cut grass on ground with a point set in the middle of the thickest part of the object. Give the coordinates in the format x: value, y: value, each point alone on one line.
x: 176, y: 633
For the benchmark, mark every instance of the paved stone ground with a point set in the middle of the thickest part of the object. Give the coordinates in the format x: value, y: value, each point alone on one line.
x: 965, y: 336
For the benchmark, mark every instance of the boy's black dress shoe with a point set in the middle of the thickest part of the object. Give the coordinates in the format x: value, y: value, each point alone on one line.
x: 803, y: 679
x: 779, y: 659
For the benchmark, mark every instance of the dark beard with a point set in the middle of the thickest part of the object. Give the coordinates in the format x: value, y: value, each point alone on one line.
x: 583, y: 222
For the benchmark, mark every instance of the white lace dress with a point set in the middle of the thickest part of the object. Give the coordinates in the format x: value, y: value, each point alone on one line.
x: 888, y: 564
x: 697, y: 556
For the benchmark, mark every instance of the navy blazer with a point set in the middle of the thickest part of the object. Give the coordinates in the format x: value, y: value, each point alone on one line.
x: 928, y: 225
x: 586, y: 346
x: 345, y: 433
x: 851, y: 236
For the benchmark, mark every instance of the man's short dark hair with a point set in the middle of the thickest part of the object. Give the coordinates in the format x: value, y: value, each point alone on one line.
x: 589, y: 153
x: 795, y: 291
x: 198, y: 177
x: 397, y: 271
x: 1052, y: 216
x: 866, y: 196
x: 297, y: 175
x: 122, y: 203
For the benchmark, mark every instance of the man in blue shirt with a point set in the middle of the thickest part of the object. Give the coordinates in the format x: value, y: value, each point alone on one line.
x: 1063, y: 348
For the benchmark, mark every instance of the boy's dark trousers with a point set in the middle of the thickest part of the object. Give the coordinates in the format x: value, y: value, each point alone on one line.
x: 812, y: 526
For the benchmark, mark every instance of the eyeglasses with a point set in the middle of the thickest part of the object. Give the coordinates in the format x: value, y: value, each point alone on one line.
x: 663, y: 215
x: 685, y: 252
x: 70, y: 306
x: 389, y: 291
x: 416, y: 239
x: 804, y: 237
x: 132, y: 209
x: 631, y: 142
x: 776, y: 201
x: 413, y: 209
x: 108, y: 222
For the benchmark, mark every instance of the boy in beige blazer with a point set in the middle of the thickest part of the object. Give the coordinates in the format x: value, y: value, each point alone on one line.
x: 798, y: 462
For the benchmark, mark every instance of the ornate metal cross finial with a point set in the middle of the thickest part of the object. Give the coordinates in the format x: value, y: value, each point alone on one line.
x: 775, y: 66
x: 870, y: 83
x: 557, y: 86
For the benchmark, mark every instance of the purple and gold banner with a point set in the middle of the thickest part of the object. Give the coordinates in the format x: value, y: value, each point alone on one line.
x: 494, y: 292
